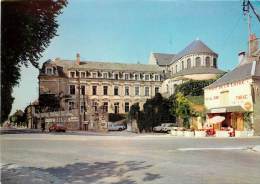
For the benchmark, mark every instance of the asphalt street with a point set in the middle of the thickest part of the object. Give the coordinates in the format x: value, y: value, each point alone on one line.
x: 128, y: 159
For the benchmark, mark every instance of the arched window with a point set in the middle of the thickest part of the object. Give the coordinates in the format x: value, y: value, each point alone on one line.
x: 214, y: 62
x: 188, y: 63
x: 198, y: 61
x: 182, y: 65
x: 176, y: 68
x: 207, y: 61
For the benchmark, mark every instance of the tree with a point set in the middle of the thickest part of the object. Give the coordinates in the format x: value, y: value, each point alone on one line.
x: 48, y: 103
x: 27, y: 28
x: 18, y: 117
x: 183, y: 109
x: 156, y: 111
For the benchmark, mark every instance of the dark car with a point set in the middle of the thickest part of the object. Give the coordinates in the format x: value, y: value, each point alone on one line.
x: 57, y: 128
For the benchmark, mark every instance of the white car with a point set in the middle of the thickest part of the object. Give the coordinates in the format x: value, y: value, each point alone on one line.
x: 162, y: 127
x: 169, y: 128
x: 115, y: 127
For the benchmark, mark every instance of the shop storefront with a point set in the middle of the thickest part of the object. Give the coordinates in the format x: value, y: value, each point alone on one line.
x: 232, y: 97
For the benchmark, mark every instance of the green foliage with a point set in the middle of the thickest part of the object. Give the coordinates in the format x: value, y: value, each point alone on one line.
x: 27, y: 28
x: 196, y: 99
x: 156, y: 111
x: 48, y: 103
x: 247, y: 120
x: 183, y: 109
x: 18, y: 117
x: 134, y: 111
x: 116, y: 117
x: 193, y: 87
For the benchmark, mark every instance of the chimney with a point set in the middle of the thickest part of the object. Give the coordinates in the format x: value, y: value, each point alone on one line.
x: 241, y: 57
x: 78, y: 59
x: 253, y: 44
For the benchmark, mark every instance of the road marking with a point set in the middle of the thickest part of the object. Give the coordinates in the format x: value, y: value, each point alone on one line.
x: 199, y: 149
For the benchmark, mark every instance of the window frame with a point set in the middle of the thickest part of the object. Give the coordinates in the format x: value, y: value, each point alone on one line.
x: 94, y: 89
x: 105, y: 89
x: 146, y: 92
x: 71, y: 89
x: 116, y: 91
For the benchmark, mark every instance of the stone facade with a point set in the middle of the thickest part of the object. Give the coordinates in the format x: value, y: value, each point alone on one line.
x: 90, y: 87
x: 197, y: 61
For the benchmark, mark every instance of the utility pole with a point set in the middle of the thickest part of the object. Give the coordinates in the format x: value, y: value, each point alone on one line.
x: 79, y: 90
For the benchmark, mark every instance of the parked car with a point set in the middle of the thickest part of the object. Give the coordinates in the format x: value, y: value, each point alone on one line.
x: 162, y: 127
x: 171, y: 126
x: 57, y: 128
x: 115, y: 127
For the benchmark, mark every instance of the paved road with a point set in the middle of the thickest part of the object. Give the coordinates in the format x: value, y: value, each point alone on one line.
x: 58, y: 158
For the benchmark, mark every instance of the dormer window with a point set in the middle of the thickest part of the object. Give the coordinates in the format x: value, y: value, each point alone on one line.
x: 126, y: 76
x: 116, y: 76
x: 156, y: 77
x: 49, y: 71
x: 82, y: 74
x: 72, y: 74
x: 136, y: 77
x: 94, y: 74
x: 105, y: 75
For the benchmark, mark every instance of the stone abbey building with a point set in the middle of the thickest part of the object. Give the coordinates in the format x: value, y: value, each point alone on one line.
x: 114, y: 87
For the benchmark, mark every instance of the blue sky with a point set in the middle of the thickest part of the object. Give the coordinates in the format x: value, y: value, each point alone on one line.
x: 128, y: 31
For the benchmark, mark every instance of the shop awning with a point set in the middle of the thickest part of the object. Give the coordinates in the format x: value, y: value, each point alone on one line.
x: 226, y: 109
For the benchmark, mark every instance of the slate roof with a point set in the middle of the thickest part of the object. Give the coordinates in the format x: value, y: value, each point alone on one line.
x: 241, y: 72
x: 163, y: 59
x: 195, y: 47
x: 107, y: 66
x: 198, y: 70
